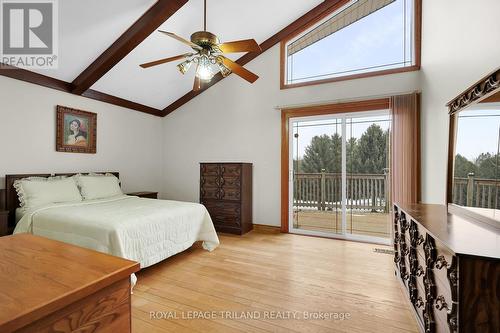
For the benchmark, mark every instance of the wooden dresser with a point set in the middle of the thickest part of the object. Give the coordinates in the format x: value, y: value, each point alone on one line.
x: 50, y: 286
x: 226, y: 192
x: 449, y: 267
x: 144, y: 194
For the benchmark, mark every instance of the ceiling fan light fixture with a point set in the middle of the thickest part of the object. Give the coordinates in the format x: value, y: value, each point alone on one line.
x: 204, y: 70
x: 184, y: 66
x: 224, y: 70
x: 208, y: 56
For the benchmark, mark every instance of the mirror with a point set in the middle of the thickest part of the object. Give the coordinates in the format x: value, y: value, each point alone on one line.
x: 474, y: 175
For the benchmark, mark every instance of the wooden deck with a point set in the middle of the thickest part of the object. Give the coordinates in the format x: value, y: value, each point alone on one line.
x: 262, y: 274
x: 358, y: 223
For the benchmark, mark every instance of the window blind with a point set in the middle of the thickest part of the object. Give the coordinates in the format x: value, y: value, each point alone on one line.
x: 355, y: 12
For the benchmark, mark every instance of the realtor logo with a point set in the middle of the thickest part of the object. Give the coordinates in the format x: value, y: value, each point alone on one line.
x: 29, y: 33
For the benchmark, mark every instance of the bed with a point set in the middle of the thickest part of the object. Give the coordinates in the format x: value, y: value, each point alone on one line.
x: 144, y: 230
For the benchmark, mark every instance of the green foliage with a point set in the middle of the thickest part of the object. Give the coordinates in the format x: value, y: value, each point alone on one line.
x: 486, y: 166
x: 364, y: 156
x: 463, y: 167
x: 371, y: 151
x: 323, y: 154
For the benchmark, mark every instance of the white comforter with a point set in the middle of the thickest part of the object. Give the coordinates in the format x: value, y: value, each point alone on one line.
x: 144, y: 230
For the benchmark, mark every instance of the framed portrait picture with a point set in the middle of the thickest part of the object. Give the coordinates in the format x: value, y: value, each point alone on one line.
x: 76, y: 131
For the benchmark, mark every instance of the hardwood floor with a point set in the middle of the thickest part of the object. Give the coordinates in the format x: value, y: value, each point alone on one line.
x: 267, y: 274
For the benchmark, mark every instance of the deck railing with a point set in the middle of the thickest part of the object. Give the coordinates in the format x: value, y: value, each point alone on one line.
x: 476, y: 192
x: 323, y: 191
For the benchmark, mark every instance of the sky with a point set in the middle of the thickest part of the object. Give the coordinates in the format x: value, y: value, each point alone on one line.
x: 478, y: 131
x: 377, y: 39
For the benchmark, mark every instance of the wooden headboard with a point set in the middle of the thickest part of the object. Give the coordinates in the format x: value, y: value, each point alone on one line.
x: 11, y: 199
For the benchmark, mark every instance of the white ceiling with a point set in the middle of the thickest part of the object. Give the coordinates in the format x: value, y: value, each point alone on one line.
x: 89, y: 27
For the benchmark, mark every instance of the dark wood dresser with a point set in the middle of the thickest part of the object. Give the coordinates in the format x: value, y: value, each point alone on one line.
x: 226, y: 192
x: 4, y: 223
x: 144, y: 194
x: 449, y: 267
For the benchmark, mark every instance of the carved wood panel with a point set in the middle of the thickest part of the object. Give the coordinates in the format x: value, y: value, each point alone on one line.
x: 482, y: 88
x: 105, y: 311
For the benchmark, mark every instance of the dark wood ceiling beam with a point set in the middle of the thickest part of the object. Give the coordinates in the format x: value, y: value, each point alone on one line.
x: 312, y: 16
x: 32, y: 77
x: 49, y: 82
x: 110, y: 99
x: 129, y: 40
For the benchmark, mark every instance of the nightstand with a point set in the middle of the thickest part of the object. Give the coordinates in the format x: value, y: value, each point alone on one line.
x: 145, y: 194
x: 4, y: 222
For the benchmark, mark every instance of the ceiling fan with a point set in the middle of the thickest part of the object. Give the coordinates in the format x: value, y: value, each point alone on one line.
x: 208, y: 55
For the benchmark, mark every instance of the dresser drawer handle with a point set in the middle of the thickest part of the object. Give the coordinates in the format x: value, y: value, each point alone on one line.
x: 396, y: 258
x: 419, y: 303
x: 441, y: 262
x: 441, y: 303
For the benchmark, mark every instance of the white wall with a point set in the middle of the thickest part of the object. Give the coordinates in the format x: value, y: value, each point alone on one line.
x: 236, y: 121
x: 127, y: 141
x: 461, y: 44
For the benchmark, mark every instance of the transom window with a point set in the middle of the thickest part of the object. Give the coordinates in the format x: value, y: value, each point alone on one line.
x: 361, y: 38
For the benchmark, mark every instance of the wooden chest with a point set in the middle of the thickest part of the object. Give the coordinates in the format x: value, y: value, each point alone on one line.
x: 50, y: 286
x: 449, y: 268
x: 226, y: 192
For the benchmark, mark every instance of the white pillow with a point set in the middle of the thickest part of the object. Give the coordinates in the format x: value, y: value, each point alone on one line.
x: 98, y: 186
x: 38, y: 191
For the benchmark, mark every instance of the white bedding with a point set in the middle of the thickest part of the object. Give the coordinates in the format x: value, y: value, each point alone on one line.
x: 144, y: 230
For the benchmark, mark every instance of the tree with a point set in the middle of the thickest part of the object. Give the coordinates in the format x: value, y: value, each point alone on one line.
x: 352, y: 152
x: 323, y: 154
x: 366, y: 155
x: 487, y: 166
x: 463, y: 167
x: 372, y: 151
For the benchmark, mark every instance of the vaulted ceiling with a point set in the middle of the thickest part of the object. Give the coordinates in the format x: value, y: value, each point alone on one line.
x: 102, y: 43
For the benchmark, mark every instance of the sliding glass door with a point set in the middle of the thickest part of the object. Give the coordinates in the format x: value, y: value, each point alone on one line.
x: 339, y: 176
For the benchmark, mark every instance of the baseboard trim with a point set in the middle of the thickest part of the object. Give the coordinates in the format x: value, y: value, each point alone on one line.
x: 270, y: 229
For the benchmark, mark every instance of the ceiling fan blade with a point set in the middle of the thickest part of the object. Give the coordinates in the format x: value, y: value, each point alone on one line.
x: 197, y: 83
x: 239, y: 70
x: 162, y: 61
x: 182, y: 40
x: 245, y: 45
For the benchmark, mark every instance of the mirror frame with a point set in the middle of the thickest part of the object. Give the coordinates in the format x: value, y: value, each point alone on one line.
x: 486, y: 90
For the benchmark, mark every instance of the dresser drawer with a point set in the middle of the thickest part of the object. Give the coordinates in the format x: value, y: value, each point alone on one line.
x: 420, y: 302
x: 209, y: 192
x: 442, y: 303
x: 210, y: 181
x: 230, y: 182
x: 230, y: 170
x: 444, y: 266
x: 230, y: 194
x: 210, y: 169
x: 224, y: 213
